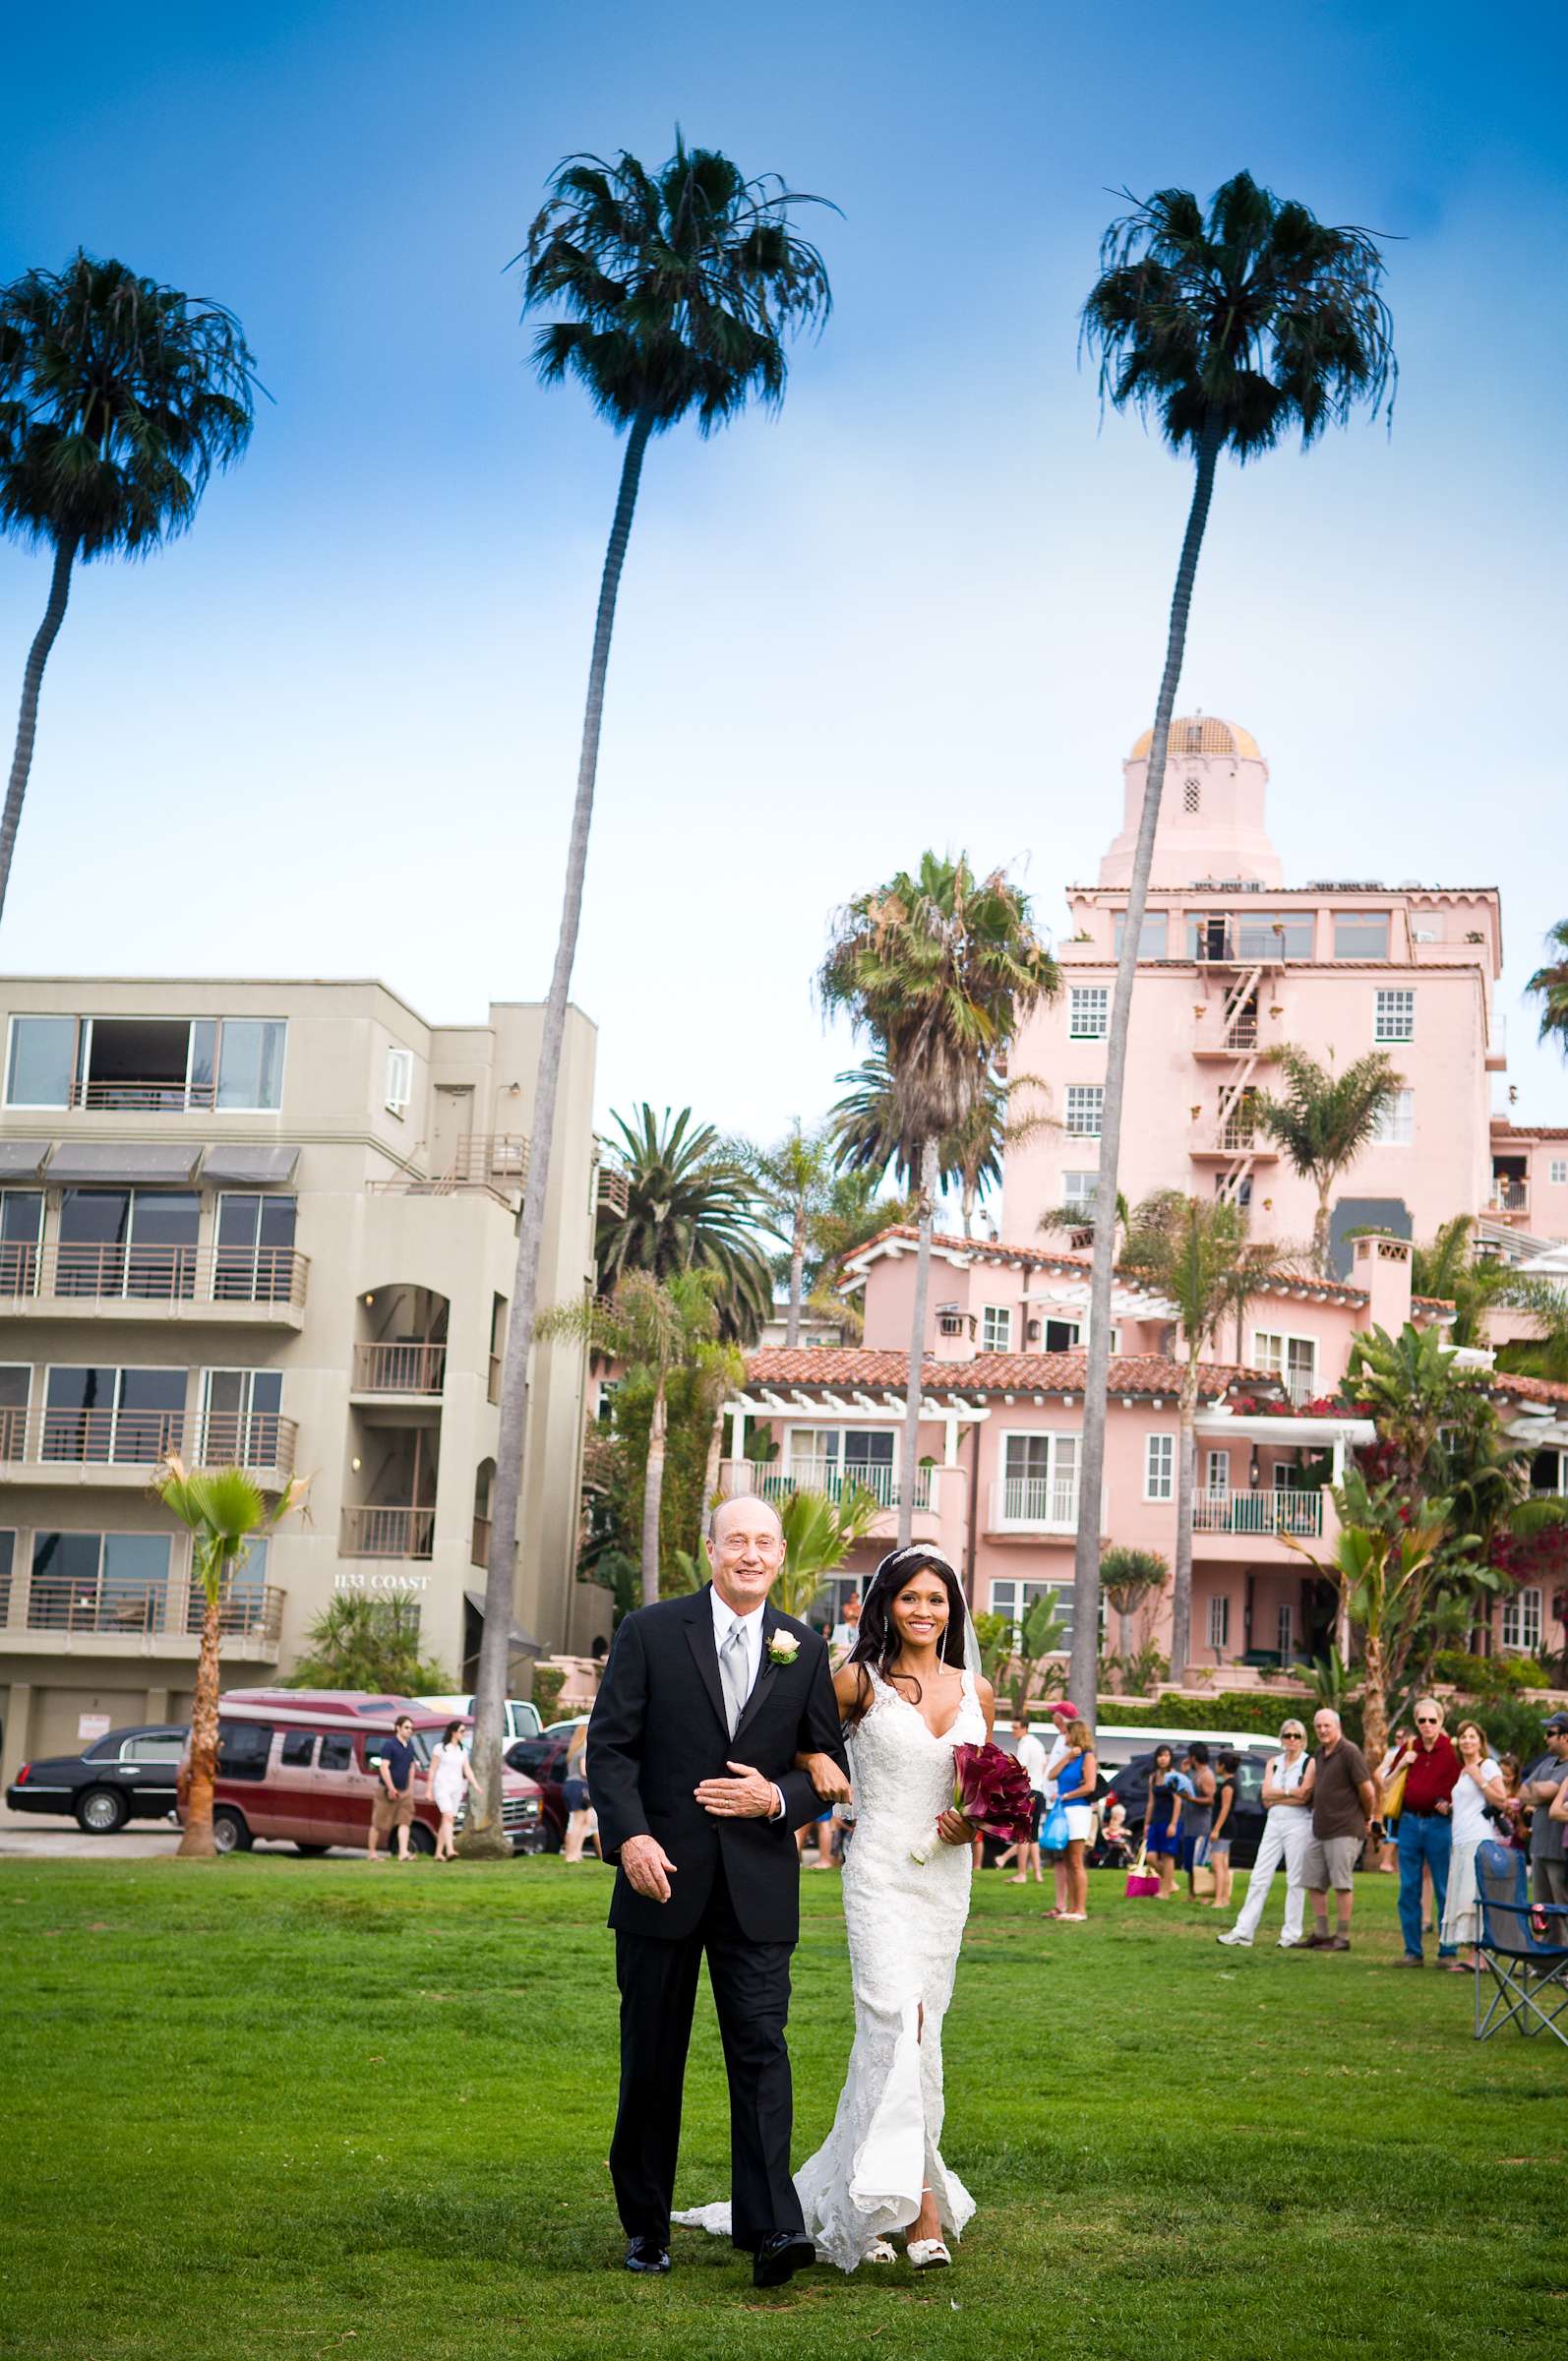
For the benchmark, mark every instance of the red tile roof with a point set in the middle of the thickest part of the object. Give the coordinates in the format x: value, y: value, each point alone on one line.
x: 984, y: 1250
x: 840, y: 1366
x: 1528, y: 1389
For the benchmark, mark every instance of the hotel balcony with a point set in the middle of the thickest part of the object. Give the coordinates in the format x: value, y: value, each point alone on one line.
x: 1224, y: 1142
x: 743, y: 1479
x: 120, y: 1448
x: 51, y: 1613
x: 1248, y: 1518
x: 1510, y: 1198
x: 1034, y: 1504
x: 203, y: 1286
x: 413, y: 1371
x: 375, y: 1529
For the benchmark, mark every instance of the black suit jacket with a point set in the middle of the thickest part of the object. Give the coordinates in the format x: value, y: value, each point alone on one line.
x: 659, y: 1728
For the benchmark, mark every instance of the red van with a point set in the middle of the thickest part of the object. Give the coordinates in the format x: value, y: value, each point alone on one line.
x: 298, y: 1767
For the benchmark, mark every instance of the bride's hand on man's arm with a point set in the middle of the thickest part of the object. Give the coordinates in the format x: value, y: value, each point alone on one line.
x: 826, y: 1776
x: 954, y: 1829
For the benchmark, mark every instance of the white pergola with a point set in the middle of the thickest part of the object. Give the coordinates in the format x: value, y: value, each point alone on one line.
x: 1337, y: 1435
x: 853, y: 1406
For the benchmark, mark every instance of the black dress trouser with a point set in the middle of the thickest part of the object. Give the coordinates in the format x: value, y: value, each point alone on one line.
x: 751, y: 1993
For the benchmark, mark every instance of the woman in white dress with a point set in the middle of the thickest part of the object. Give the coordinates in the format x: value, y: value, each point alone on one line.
x: 1479, y: 1783
x: 450, y: 1772
x: 910, y: 1692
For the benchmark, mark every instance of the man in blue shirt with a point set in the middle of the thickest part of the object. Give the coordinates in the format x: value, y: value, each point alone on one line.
x: 393, y: 1807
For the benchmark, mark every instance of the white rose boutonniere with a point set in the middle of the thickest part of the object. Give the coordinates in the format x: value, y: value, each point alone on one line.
x: 783, y: 1647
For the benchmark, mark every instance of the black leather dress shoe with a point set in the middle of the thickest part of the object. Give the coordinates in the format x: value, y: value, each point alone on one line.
x: 647, y: 2255
x: 780, y: 2257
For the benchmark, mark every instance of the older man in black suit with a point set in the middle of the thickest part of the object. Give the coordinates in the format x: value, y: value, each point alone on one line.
x: 705, y: 1704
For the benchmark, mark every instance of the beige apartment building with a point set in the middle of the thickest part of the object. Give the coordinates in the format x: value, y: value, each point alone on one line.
x: 274, y: 1224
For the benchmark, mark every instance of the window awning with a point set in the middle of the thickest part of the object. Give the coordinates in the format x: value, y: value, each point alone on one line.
x: 253, y: 1167
x: 518, y: 1641
x: 136, y: 1160
x: 20, y: 1159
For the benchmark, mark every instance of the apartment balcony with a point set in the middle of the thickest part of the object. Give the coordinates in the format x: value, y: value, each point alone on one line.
x: 1264, y: 1515
x: 54, y: 1614
x: 120, y: 1448
x: 409, y: 1369
x: 1510, y: 1199
x: 200, y: 1285
x: 114, y: 1095
x: 746, y: 1479
x: 374, y: 1530
x: 1223, y: 1143
x: 494, y: 1160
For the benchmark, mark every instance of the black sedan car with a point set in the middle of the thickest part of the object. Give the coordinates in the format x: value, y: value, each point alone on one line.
x: 127, y: 1775
x: 544, y: 1761
x: 1130, y: 1785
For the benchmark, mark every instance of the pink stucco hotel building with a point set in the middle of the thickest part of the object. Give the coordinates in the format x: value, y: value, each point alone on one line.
x: 1232, y: 962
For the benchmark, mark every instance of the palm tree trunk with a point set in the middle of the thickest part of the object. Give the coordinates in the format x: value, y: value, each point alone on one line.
x: 195, y: 1844
x: 1086, y: 1559
x: 27, y: 719
x: 968, y: 1200
x: 792, y: 1325
x: 483, y: 1837
x: 1321, y: 1230
x: 914, y: 1389
x: 1187, y: 1480
x: 653, y: 1495
x: 1375, y: 1700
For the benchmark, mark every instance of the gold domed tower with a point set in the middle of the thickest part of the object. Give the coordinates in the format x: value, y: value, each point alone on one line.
x: 1212, y: 824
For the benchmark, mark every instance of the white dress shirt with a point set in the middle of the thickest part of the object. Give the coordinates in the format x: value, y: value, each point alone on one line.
x: 725, y: 1620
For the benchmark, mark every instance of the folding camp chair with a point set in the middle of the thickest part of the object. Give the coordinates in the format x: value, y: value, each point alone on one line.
x: 1522, y: 1947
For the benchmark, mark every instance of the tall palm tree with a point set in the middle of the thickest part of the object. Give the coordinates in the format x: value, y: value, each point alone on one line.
x: 223, y: 1512
x: 653, y: 1326
x: 939, y: 969
x: 118, y: 398
x: 793, y: 1182
x: 1196, y: 1252
x: 688, y: 1205
x: 681, y: 287
x: 969, y: 1156
x: 1232, y: 329
x: 1323, y: 1121
x: 1549, y: 984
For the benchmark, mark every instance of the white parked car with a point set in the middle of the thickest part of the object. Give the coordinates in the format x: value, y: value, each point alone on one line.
x: 523, y: 1716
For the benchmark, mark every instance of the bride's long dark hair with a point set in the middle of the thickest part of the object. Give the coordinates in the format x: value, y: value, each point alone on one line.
x: 876, y: 1642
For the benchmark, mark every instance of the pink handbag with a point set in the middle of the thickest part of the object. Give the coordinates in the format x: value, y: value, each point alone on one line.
x: 1141, y: 1879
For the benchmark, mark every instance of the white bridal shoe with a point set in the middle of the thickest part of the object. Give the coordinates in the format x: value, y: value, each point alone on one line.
x: 927, y: 2253
x: 879, y: 2251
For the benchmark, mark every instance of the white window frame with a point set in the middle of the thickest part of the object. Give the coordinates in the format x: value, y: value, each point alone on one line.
x: 1079, y: 1199
x: 1088, y: 1012
x: 1360, y: 917
x: 1396, y: 1127
x: 1557, y: 1171
x: 1271, y: 1352
x: 1054, y: 1438
x: 1085, y: 1100
x: 1522, y: 1620
x: 1159, y: 1466
x: 399, y: 1080
x: 1220, y: 1621
x: 1217, y: 1474
x: 995, y: 1327
x: 1394, y: 1013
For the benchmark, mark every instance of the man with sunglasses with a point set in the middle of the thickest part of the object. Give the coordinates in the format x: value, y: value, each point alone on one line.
x: 1427, y: 1828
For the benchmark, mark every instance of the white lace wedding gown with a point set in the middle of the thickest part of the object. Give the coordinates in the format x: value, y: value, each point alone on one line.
x: 905, y: 1920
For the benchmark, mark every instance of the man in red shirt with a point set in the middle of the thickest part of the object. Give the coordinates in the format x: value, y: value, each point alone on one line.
x: 1425, y: 1828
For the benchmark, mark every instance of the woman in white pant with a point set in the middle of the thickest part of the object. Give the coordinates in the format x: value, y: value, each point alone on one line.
x: 1288, y: 1796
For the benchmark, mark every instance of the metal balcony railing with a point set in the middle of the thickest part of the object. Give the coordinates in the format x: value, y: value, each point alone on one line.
x: 154, y: 1275
x: 1511, y: 1196
x: 1261, y: 1513
x: 375, y: 1531
x: 758, y: 1479
x: 400, y: 1368
x: 1034, y: 1503
x: 493, y: 1160
x: 115, y: 1096
x: 100, y: 1605
x: 260, y: 1442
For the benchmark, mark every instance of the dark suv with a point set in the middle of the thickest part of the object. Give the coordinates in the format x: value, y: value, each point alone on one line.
x: 127, y: 1775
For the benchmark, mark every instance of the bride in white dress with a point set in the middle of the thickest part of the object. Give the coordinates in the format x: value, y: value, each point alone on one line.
x: 910, y: 1693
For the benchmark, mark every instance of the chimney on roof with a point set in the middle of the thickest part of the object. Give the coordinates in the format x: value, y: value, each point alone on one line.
x: 955, y: 1333
x: 1382, y: 1266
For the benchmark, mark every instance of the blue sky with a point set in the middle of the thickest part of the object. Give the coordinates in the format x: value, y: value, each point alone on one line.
x: 336, y: 730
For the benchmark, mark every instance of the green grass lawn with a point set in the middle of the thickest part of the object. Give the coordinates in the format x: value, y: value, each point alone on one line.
x: 273, y: 2107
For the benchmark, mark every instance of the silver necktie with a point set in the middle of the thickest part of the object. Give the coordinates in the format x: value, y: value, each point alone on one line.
x: 733, y: 1670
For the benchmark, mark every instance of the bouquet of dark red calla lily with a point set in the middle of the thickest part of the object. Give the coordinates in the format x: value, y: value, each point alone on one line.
x: 991, y: 1789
